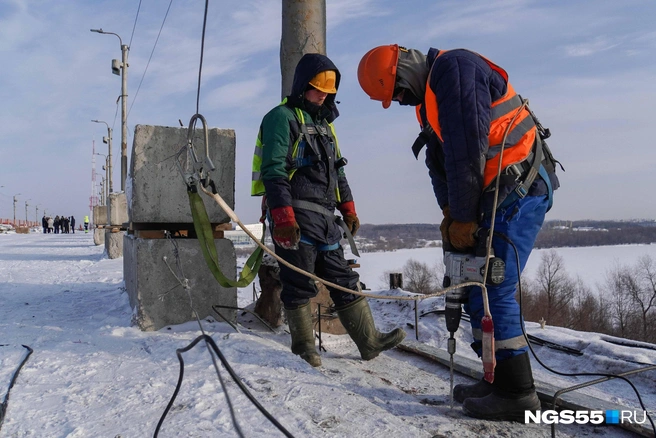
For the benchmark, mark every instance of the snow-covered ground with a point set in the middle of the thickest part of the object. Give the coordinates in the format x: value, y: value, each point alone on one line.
x: 94, y: 375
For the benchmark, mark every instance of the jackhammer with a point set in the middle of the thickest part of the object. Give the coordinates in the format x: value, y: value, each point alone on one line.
x: 462, y: 268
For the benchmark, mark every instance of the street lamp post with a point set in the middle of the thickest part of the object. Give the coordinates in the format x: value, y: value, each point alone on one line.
x: 15, y: 201
x: 108, y: 157
x: 108, y: 177
x: 36, y: 214
x: 123, y: 67
x: 26, y: 204
x: 102, y: 192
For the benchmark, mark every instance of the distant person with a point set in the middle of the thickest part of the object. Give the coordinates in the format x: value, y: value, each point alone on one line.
x: 57, y: 224
x: 73, y: 224
x: 86, y: 224
x: 468, y: 111
x: 303, y: 179
x: 44, y: 224
x: 51, y: 225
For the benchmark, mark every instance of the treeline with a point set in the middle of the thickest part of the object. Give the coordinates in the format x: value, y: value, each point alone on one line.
x: 554, y: 234
x: 624, y: 306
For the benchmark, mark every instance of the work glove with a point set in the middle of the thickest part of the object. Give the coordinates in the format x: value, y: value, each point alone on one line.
x: 461, y: 235
x: 286, y: 231
x: 444, y: 226
x: 349, y: 216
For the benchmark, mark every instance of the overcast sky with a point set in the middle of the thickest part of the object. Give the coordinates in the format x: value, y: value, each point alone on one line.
x: 587, y: 67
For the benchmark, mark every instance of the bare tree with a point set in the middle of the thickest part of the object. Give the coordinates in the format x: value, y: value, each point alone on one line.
x: 643, y: 294
x: 588, y: 311
x: 556, y: 289
x: 419, y: 278
x: 616, y: 284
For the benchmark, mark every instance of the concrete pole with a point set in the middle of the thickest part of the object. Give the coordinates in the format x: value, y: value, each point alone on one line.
x: 15, y: 200
x: 124, y: 115
x: 303, y: 31
x: 109, y: 160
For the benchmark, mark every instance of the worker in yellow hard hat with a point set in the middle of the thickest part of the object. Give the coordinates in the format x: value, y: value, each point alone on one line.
x: 299, y: 168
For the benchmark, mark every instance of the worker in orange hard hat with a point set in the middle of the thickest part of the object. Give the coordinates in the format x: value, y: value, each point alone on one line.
x: 299, y: 167
x: 488, y: 163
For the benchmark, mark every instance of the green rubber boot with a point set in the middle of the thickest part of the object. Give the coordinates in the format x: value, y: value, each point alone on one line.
x: 358, y: 321
x: 300, y: 327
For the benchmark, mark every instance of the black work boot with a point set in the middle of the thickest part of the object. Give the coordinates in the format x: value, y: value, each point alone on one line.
x: 513, y: 393
x: 358, y: 321
x: 300, y: 327
x: 477, y: 390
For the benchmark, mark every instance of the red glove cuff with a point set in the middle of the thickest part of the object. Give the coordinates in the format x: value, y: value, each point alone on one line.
x: 347, y: 208
x: 283, y: 216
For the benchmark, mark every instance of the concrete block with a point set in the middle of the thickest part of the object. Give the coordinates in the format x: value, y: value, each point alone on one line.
x: 118, y: 209
x: 99, y: 236
x: 157, y: 191
x: 156, y: 295
x: 100, y: 215
x: 114, y: 244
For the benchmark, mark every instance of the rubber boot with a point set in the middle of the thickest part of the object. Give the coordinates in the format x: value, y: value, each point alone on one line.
x: 513, y: 393
x: 358, y: 321
x: 477, y: 390
x: 300, y: 327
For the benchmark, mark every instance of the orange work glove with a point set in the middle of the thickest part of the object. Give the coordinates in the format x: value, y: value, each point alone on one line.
x: 446, y: 223
x: 350, y: 216
x: 461, y: 235
x: 286, y: 231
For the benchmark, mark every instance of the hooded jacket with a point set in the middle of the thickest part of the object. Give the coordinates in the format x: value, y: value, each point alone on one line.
x: 310, y: 173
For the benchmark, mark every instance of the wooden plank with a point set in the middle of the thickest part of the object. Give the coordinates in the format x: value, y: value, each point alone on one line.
x: 546, y: 391
x: 161, y: 234
x: 174, y: 226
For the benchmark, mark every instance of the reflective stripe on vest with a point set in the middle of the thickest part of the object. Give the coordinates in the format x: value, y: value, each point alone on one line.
x: 521, y: 134
x: 257, y: 185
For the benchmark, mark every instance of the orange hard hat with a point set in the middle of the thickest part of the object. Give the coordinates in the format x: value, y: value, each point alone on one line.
x: 325, y: 81
x: 377, y: 73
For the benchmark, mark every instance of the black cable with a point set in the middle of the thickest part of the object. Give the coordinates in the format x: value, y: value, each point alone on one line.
x: 210, y: 342
x: 151, y: 56
x: 521, y: 319
x: 3, y: 406
x: 202, y: 330
x: 202, y: 50
x: 134, y: 26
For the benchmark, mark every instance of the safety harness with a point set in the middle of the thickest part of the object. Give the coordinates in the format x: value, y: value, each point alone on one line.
x: 299, y: 160
x: 540, y: 161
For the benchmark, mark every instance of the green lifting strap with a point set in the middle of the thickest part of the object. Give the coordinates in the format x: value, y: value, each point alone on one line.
x: 206, y: 240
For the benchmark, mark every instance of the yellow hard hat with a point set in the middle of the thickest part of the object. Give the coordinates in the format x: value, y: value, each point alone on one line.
x: 325, y: 81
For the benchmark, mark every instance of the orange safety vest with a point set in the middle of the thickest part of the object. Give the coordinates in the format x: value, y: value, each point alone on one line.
x: 521, y: 135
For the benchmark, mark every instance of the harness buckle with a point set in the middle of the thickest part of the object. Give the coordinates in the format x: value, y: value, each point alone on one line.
x: 521, y: 190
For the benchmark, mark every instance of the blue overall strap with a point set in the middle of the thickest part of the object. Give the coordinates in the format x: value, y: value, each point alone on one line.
x: 307, y: 205
x: 545, y: 177
x: 320, y: 246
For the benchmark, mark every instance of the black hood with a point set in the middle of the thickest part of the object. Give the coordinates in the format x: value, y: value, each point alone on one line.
x: 308, y: 67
